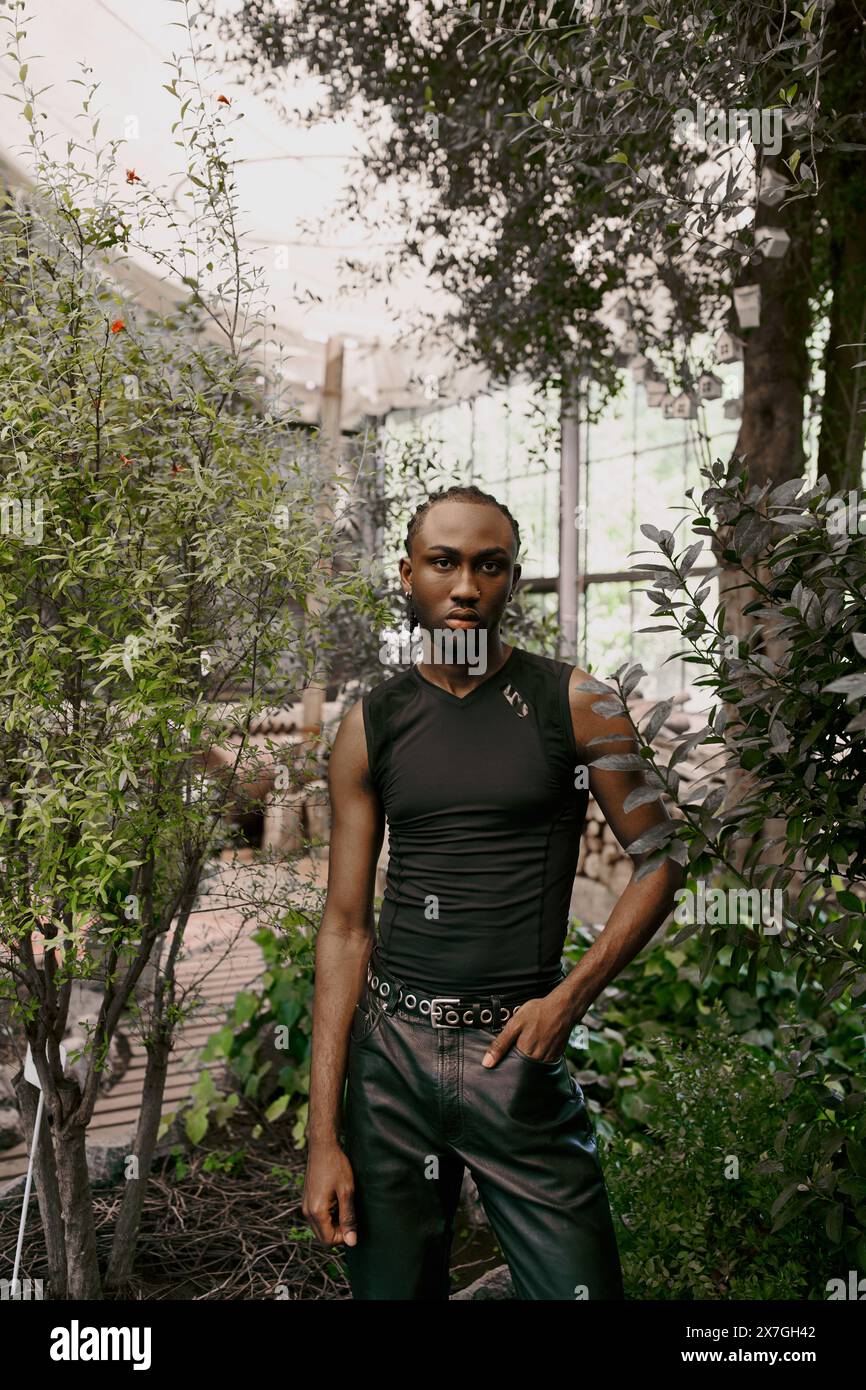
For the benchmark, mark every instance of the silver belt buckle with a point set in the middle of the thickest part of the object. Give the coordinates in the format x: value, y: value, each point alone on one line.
x: 440, y: 999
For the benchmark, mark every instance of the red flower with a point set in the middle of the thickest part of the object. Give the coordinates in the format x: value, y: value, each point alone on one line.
x: 118, y: 326
x: 177, y: 468
x: 126, y: 458
x: 224, y: 100
x: 132, y: 176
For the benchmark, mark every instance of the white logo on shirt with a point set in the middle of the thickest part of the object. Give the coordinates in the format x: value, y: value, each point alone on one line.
x: 516, y: 700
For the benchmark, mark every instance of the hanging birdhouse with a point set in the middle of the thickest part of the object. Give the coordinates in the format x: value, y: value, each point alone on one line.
x: 684, y: 406
x: 733, y: 408
x: 709, y: 387
x: 639, y: 366
x: 772, y: 241
x: 629, y: 342
x: 772, y: 188
x: 728, y: 348
x: 622, y: 310
x: 656, y: 391
x: 747, y: 302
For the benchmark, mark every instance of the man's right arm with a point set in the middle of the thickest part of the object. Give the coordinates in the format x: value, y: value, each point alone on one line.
x: 343, y: 946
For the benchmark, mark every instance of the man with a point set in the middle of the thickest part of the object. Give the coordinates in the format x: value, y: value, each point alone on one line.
x: 456, y: 1028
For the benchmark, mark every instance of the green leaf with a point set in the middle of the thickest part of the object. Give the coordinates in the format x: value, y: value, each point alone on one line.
x: 640, y: 797
x: 794, y: 832
x: 277, y: 1108
x: 834, y: 1222
x: 226, y: 1108
x: 652, y: 838
x: 196, y: 1125
x: 246, y: 1005
x: 657, y: 719
x: 219, y: 1044
x: 619, y: 762
x: 204, y: 1089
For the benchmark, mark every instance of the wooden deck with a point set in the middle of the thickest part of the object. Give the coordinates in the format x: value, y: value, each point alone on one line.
x: 220, y: 958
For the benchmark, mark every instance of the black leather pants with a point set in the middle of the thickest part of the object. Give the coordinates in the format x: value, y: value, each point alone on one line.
x: 419, y: 1107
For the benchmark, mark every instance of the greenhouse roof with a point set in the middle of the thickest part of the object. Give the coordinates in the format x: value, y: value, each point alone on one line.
x: 289, y: 175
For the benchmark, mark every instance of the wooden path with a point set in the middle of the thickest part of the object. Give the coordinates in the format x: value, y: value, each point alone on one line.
x: 220, y: 958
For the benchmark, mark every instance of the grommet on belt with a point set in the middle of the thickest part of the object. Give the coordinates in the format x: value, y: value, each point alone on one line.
x: 395, y: 994
x: 496, y: 1022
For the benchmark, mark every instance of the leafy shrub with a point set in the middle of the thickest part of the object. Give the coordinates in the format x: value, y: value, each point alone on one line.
x: 699, y: 1215
x: 267, y: 1041
x: 667, y: 993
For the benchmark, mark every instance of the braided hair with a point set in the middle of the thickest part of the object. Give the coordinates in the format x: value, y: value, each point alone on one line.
x: 459, y: 493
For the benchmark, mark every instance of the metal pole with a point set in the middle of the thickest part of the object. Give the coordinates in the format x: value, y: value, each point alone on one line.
x: 27, y: 1186
x: 330, y: 417
x: 570, y: 521
x: 330, y: 474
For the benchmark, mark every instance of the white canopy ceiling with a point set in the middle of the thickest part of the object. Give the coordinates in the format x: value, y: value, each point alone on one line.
x: 287, y: 174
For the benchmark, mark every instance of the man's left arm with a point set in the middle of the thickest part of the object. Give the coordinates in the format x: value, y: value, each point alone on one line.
x: 644, y: 904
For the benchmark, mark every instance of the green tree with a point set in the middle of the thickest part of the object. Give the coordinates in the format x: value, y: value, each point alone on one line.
x: 162, y: 547
x: 542, y: 129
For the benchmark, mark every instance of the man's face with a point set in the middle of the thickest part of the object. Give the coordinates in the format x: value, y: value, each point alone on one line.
x: 462, y: 566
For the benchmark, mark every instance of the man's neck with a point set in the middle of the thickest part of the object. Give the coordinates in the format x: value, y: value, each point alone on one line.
x: 460, y: 679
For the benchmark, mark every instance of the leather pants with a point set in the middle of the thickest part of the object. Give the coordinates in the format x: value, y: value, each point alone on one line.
x: 420, y: 1107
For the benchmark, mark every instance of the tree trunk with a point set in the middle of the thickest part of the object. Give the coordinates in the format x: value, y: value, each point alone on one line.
x: 843, y: 411
x: 128, y: 1222
x: 843, y: 206
x: 47, y: 1189
x: 158, y: 1050
x: 770, y: 438
x: 775, y: 378
x: 77, y: 1207
x: 776, y: 361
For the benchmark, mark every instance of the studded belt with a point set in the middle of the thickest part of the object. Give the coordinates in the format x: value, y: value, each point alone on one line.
x: 444, y: 1011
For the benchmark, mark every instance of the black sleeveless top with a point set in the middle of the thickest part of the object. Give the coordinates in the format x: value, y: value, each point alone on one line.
x: 484, y: 826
